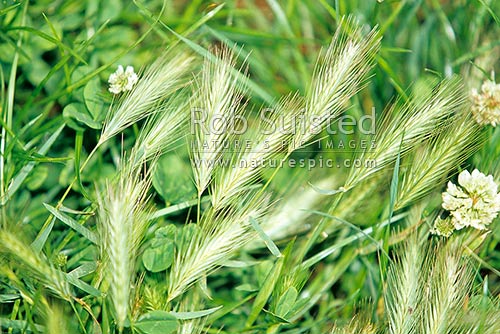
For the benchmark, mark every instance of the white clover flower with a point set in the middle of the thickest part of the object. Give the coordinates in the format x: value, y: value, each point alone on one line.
x: 122, y: 80
x: 486, y: 104
x: 474, y: 202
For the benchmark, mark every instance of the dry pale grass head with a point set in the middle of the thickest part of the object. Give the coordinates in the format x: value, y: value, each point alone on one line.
x: 431, y: 164
x: 357, y: 325
x: 56, y: 320
x: 164, y: 77
x: 427, y: 288
x: 162, y: 130
x: 404, y: 280
x: 217, y: 97
x: 339, y: 74
x: 219, y: 235
x: 122, y: 219
x: 246, y: 164
x: 448, y: 285
x: 35, y: 264
x: 406, y: 126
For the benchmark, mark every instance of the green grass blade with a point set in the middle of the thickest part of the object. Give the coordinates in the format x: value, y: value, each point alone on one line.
x: 330, y: 250
x: 49, y: 39
x: 43, y: 235
x: 178, y: 207
x: 267, y: 288
x: 19, y: 325
x: 78, y: 153
x: 490, y: 10
x: 195, y: 314
x: 84, y: 270
x: 26, y: 170
x: 89, y: 235
x: 73, y: 280
x: 267, y: 240
x: 242, y: 78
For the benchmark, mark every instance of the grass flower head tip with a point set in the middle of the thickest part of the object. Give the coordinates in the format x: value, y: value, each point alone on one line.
x: 474, y: 202
x: 486, y: 104
x: 122, y: 80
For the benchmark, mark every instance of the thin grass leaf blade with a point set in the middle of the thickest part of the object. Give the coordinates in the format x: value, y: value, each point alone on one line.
x: 267, y: 288
x: 24, y: 172
x: 89, y: 235
x: 267, y: 240
x: 195, y: 314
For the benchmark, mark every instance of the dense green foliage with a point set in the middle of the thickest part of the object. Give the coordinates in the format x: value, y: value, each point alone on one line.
x: 301, y: 255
